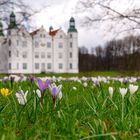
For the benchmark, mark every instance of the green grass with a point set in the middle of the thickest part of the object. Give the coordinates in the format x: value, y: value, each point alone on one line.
x: 85, y: 113
x: 88, y: 74
x: 95, y: 74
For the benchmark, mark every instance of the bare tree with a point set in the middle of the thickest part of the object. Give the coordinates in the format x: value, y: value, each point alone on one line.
x: 22, y: 9
x: 118, y: 16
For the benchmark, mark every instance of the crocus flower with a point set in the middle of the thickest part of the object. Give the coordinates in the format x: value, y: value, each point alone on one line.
x: 5, y: 91
x: 31, y: 78
x: 74, y: 88
x: 55, y: 92
x: 22, y: 97
x: 123, y: 91
x: 20, y: 78
x: 43, y: 85
x: 38, y: 92
x: 133, y: 88
x: 85, y: 84
x: 12, y: 79
x: 110, y: 89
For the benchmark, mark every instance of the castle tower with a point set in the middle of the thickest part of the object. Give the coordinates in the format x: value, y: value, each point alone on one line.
x: 72, y: 47
x: 13, y: 23
x: 19, y: 48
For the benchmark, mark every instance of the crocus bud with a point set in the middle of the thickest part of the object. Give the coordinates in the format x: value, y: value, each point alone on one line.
x: 85, y: 84
x: 110, y: 89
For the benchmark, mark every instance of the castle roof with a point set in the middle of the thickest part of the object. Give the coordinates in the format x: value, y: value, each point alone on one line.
x: 54, y: 32
x: 34, y: 32
x: 51, y: 33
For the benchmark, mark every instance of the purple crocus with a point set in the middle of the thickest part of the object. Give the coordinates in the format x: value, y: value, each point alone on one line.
x: 55, y: 92
x: 43, y: 85
x: 12, y: 79
x: 31, y: 78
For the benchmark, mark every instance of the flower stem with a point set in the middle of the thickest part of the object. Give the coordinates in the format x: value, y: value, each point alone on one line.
x: 122, y: 109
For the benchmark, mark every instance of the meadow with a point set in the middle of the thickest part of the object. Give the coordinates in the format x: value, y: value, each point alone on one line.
x: 71, y: 109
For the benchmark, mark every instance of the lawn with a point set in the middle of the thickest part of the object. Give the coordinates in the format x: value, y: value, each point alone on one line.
x: 85, y: 111
x: 87, y: 74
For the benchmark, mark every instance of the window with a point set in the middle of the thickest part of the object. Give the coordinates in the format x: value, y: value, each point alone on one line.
x: 10, y: 42
x: 9, y: 32
x: 24, y: 66
x: 17, y: 53
x: 17, y: 66
x: 40, y: 35
x: 9, y: 53
x: 60, y: 55
x: 36, y: 66
x: 49, y: 66
x: 60, y: 66
x: 60, y: 45
x: 17, y: 42
x: 24, y: 54
x: 61, y: 36
x: 48, y: 44
x: 42, y: 54
x: 10, y: 66
x: 70, y: 54
x: 48, y: 55
x: 70, y: 65
x: 70, y: 44
x: 24, y: 44
x: 36, y: 44
x: 44, y: 36
x: 23, y: 34
x: 70, y: 35
x: 36, y: 55
x: 42, y: 67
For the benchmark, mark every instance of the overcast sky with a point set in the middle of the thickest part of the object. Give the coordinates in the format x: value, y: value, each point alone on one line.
x: 58, y: 12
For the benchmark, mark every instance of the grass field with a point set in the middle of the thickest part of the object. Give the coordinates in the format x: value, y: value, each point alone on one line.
x: 89, y: 74
x: 86, y: 111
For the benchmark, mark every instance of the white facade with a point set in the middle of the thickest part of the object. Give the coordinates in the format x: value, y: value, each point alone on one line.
x: 39, y: 51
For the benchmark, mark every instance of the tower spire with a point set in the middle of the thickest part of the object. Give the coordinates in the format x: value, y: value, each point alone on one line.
x: 13, y: 24
x: 72, y: 25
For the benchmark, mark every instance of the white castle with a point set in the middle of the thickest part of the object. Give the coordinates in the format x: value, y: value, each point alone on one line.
x: 39, y: 51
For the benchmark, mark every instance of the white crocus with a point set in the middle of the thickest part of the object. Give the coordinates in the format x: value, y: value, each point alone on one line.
x: 38, y: 92
x: 110, y: 89
x: 22, y: 97
x: 123, y: 91
x: 74, y: 88
x: 133, y: 88
x: 60, y: 95
x: 85, y: 84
